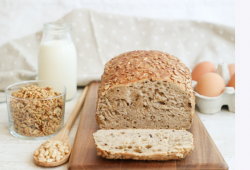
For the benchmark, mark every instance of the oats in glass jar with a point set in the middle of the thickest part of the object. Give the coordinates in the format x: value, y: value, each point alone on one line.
x: 36, y: 111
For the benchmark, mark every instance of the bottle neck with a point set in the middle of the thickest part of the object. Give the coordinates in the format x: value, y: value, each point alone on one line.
x: 56, y: 31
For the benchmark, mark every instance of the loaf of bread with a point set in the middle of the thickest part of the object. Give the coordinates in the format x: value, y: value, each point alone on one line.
x: 143, y: 144
x: 145, y: 90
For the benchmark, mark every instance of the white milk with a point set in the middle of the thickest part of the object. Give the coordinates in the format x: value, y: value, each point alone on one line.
x: 57, y: 62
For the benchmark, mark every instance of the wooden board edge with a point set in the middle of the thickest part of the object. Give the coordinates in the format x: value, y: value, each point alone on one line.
x: 82, y: 115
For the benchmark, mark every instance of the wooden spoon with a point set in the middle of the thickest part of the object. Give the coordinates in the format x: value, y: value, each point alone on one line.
x: 63, y: 134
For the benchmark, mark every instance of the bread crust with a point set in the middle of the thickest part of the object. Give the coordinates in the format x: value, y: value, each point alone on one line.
x: 141, y: 65
x: 150, y: 157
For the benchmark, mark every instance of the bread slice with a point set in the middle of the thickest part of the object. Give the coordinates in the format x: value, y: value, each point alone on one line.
x: 145, y: 90
x: 143, y: 144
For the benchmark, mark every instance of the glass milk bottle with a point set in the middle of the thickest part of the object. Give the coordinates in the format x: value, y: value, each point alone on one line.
x: 57, y: 57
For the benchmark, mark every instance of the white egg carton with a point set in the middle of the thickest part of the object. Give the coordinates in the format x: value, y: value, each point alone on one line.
x: 211, y: 105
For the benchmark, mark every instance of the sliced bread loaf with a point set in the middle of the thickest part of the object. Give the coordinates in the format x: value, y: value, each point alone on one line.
x: 145, y: 90
x: 143, y: 144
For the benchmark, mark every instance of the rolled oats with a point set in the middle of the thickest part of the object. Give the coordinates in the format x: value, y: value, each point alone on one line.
x: 33, y: 116
x: 55, y: 153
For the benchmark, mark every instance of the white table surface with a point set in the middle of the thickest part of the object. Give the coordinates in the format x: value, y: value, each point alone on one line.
x: 17, y: 154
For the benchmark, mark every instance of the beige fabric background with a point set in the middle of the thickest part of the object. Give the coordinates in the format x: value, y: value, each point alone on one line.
x: 99, y: 36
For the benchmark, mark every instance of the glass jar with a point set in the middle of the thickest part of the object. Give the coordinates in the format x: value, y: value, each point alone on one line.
x: 57, y: 60
x: 35, y: 108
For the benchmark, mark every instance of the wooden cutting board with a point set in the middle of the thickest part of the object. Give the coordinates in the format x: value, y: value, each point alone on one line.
x: 205, y: 156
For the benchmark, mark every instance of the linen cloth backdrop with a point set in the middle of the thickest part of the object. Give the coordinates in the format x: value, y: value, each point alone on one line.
x: 100, y: 36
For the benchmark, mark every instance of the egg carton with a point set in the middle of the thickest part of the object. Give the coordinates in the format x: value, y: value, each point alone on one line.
x: 211, y: 105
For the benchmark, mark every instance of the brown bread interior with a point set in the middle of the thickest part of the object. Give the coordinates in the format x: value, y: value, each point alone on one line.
x: 145, y: 104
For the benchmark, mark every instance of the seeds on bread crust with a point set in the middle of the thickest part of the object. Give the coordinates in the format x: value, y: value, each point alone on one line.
x: 138, y: 65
